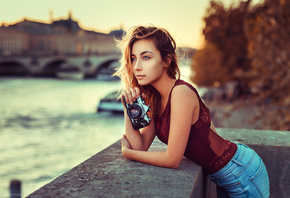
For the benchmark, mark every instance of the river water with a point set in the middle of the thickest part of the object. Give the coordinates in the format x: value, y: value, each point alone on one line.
x: 48, y: 126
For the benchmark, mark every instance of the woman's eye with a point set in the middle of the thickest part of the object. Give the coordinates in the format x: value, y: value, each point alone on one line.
x: 146, y: 57
x: 133, y: 59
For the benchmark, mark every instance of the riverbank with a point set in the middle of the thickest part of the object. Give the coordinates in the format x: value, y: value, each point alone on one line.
x: 234, y: 115
x: 231, y: 108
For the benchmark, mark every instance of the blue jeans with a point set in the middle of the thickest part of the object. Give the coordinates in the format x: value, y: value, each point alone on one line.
x: 244, y: 176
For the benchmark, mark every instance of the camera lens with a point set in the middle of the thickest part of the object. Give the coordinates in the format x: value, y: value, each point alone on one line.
x: 134, y: 111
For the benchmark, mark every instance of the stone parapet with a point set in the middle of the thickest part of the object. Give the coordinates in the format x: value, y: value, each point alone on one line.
x: 274, y: 149
x: 109, y: 174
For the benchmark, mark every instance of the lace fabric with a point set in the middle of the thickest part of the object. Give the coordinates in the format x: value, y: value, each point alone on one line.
x: 204, y: 146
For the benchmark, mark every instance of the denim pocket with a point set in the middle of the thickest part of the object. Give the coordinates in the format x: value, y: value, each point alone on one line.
x: 214, y: 180
x: 260, y: 180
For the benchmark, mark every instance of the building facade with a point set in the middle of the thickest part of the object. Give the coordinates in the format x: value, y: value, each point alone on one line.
x: 61, y: 37
x: 13, y: 42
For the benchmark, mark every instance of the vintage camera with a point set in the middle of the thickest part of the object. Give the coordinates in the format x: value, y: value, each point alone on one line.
x: 137, y: 113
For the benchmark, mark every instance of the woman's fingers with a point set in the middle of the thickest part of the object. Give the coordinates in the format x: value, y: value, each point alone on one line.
x: 137, y: 92
x: 131, y: 94
x: 127, y: 95
x: 144, y: 95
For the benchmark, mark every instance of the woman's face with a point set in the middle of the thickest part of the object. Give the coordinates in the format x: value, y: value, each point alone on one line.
x: 147, y: 63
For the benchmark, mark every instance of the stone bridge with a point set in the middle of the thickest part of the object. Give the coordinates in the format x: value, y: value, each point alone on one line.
x: 88, y: 65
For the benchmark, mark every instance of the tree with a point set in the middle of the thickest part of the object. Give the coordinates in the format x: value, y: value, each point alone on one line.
x: 249, y: 44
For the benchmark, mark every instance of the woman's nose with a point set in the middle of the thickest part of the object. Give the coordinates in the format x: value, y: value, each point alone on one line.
x: 137, y: 66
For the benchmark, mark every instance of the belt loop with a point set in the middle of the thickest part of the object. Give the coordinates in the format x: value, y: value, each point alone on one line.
x: 237, y: 162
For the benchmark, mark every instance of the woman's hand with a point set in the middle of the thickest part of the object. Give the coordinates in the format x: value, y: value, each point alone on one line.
x: 131, y: 94
x: 135, y: 139
x: 125, y: 143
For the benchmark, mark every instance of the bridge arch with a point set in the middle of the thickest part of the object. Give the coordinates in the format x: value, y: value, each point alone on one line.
x: 51, y: 67
x: 107, y: 67
x: 13, y: 68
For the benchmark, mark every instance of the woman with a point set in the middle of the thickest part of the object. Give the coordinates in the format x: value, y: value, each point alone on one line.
x: 180, y: 119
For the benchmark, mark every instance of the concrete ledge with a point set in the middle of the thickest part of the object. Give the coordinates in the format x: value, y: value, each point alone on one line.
x: 274, y: 149
x: 109, y: 174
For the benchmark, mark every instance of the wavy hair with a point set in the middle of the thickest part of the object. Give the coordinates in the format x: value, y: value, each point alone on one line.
x: 164, y: 43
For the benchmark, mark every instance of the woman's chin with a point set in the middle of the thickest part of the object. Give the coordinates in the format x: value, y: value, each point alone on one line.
x: 142, y: 83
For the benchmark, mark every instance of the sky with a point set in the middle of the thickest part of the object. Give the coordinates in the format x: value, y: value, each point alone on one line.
x: 182, y: 18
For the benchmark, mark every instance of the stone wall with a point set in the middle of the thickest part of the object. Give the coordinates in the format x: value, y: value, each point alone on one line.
x: 109, y: 174
x: 274, y: 149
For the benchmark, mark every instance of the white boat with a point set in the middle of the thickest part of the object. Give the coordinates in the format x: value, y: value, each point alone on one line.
x: 70, y: 72
x: 110, y: 103
x: 70, y: 75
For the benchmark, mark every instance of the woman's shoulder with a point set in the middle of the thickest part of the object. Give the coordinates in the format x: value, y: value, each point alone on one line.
x: 182, y: 82
x: 183, y: 87
x: 184, y: 92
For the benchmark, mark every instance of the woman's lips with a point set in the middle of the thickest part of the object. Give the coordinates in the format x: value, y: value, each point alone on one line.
x: 140, y: 76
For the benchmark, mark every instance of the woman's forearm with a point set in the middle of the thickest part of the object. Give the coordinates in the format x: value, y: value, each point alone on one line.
x: 156, y: 158
x: 133, y: 136
x: 139, y: 139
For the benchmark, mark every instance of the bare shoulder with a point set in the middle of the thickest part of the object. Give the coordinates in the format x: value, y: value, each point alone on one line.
x: 183, y: 94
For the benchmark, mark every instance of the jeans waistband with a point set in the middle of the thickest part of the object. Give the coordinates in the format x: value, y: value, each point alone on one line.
x: 242, y: 157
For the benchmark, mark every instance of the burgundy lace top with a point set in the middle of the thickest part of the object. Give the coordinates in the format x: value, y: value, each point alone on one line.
x: 204, y: 146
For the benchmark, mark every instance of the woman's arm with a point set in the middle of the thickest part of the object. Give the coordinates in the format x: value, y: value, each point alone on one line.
x: 156, y: 158
x: 138, y: 139
x: 184, y: 104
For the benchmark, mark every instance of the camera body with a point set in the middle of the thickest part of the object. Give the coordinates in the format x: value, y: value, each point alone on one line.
x: 137, y: 113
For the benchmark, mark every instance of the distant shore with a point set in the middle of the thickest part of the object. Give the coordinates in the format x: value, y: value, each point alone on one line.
x: 232, y: 115
x: 228, y: 109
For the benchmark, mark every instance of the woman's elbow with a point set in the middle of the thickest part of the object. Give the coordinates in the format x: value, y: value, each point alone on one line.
x: 174, y: 164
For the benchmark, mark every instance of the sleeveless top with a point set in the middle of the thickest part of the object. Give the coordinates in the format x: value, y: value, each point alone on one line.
x: 204, y: 146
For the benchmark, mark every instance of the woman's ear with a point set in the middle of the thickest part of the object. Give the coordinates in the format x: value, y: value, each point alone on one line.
x: 168, y: 60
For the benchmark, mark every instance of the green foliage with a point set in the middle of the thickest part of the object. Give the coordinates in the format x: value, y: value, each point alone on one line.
x: 250, y: 44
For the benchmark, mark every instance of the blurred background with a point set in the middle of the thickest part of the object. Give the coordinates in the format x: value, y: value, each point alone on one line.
x: 57, y: 95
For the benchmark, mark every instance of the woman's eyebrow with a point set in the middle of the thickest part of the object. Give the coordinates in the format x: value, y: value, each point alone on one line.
x: 143, y: 53
x: 146, y: 52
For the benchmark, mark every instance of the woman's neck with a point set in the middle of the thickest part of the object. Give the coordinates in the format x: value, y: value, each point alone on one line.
x: 164, y: 86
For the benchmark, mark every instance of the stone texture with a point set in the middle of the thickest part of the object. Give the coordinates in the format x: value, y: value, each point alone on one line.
x: 274, y: 148
x: 109, y: 174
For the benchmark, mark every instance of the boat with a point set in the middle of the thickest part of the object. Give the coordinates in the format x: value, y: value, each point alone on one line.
x: 70, y: 72
x: 110, y: 103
